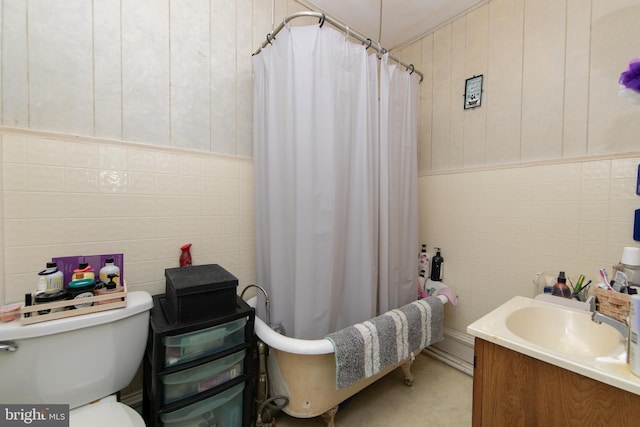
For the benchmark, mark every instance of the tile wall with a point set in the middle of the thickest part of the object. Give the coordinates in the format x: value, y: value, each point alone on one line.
x: 71, y: 196
x: 498, y: 227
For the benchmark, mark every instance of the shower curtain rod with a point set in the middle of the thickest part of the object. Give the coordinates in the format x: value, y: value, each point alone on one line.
x: 325, y: 18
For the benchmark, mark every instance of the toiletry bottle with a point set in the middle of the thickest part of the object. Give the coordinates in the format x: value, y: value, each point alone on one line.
x: 110, y: 287
x: 633, y: 343
x: 28, y: 300
x: 185, y: 256
x: 110, y: 268
x: 42, y: 284
x: 423, y: 260
x: 54, y: 278
x: 84, y: 271
x: 560, y: 289
x: 436, y: 266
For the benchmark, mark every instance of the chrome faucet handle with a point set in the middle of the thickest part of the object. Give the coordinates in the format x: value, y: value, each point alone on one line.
x: 621, y: 327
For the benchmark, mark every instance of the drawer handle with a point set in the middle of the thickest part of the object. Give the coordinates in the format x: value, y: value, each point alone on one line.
x: 8, y: 346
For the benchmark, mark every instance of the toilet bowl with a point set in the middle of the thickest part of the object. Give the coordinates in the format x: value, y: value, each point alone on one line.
x: 81, y: 361
x: 106, y: 412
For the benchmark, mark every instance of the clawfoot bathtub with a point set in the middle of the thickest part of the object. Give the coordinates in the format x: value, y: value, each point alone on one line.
x: 305, y: 372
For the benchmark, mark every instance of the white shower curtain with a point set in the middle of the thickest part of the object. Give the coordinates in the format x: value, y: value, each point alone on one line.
x: 320, y: 147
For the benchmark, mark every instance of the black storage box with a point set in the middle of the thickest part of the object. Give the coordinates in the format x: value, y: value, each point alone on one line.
x: 199, y: 292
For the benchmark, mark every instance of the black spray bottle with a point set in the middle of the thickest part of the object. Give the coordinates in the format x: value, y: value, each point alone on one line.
x: 436, y: 266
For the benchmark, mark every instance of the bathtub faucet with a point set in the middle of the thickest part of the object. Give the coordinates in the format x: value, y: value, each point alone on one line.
x: 267, y: 303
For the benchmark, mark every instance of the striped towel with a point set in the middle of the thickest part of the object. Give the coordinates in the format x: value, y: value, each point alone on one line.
x: 364, y: 349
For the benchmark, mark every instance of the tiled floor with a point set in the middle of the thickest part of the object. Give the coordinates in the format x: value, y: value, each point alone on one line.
x: 440, y: 397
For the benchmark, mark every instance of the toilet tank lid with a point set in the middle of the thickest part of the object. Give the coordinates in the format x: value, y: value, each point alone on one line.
x: 137, y: 302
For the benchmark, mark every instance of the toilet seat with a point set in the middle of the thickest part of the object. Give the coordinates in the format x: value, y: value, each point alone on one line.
x: 106, y: 412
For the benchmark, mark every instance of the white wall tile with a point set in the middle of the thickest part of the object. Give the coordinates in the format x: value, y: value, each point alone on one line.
x: 79, y: 154
x: 145, y: 71
x: 45, y: 178
x: 190, y: 63
x: 15, y: 64
x: 224, y: 29
x: 14, y: 148
x: 575, y: 109
x: 542, y: 88
x: 43, y: 151
x: 167, y: 163
x: 113, y: 181
x: 107, y: 58
x: 426, y: 106
x: 167, y: 184
x: 14, y: 177
x: 625, y: 168
x: 458, y: 74
x: 81, y: 180
x: 141, y: 160
x: 504, y: 81
x: 1, y: 121
x: 61, y: 66
x: 476, y: 51
x: 544, y: 218
x: 190, y: 185
x: 190, y: 165
x: 112, y: 158
x: 623, y: 189
x: 141, y: 183
x: 613, y: 32
x: 440, y: 153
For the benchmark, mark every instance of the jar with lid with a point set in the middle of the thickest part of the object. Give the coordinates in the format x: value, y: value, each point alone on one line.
x: 51, y: 297
x: 53, y: 277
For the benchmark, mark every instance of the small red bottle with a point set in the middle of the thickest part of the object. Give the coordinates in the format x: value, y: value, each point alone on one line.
x: 185, y: 256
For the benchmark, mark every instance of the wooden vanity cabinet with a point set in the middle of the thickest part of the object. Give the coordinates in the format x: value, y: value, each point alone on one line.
x: 512, y: 389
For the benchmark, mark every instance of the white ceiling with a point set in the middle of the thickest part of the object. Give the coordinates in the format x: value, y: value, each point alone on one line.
x: 402, y: 20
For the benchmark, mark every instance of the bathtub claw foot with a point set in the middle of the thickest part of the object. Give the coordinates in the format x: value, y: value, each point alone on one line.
x: 406, y: 371
x: 329, y: 416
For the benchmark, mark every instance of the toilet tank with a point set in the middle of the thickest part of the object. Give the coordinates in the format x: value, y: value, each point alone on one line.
x: 74, y: 360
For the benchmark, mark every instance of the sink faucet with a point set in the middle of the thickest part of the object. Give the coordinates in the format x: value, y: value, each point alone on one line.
x: 598, y: 317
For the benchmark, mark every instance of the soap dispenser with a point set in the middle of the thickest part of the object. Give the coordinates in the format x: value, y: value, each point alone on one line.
x: 110, y: 268
x: 436, y: 266
x: 560, y: 289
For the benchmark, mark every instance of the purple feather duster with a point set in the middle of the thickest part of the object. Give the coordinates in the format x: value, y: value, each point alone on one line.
x: 631, y: 77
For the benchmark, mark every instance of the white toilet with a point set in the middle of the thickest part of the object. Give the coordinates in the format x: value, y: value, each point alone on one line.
x: 81, y: 361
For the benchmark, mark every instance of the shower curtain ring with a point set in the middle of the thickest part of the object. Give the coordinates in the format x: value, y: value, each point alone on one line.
x: 269, y: 38
x: 322, y: 18
x: 369, y: 44
x: 410, y: 67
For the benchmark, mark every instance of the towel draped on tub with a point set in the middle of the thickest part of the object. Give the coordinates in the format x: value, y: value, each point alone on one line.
x: 364, y: 349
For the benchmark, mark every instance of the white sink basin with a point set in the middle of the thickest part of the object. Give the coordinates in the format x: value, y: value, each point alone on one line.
x: 564, y: 331
x: 559, y: 335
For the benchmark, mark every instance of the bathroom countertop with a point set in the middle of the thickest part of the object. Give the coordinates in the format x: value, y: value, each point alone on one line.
x: 611, y: 369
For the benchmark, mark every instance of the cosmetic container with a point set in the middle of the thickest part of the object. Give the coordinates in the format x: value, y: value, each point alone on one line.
x: 109, y: 269
x: 560, y: 289
x: 54, y: 278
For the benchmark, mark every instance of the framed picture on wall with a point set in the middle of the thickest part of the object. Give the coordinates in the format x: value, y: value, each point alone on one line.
x: 473, y: 92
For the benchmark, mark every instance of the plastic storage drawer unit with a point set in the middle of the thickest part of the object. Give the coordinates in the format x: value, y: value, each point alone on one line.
x: 185, y: 347
x: 223, y: 410
x: 204, y: 377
